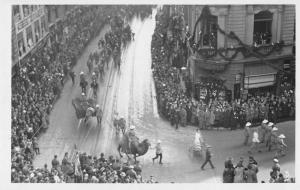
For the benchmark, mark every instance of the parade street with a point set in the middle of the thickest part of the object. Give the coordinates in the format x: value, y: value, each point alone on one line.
x: 130, y: 92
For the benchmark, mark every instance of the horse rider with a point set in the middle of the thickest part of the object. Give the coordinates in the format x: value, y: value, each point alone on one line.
x: 130, y: 134
x: 99, y: 114
x: 94, y: 86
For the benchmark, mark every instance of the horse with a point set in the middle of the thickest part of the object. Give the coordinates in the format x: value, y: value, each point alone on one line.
x: 120, y: 124
x: 137, y: 149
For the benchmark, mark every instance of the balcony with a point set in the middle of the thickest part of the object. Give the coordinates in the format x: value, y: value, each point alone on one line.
x: 210, y: 58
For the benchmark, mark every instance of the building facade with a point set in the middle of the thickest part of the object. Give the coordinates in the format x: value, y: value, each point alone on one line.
x: 29, y: 29
x: 247, y: 46
x: 31, y: 26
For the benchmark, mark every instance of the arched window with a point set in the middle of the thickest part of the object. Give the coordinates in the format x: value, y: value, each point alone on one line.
x: 208, y: 32
x: 262, y: 33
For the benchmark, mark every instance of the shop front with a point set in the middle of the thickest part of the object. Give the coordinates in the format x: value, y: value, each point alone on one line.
x: 259, y: 80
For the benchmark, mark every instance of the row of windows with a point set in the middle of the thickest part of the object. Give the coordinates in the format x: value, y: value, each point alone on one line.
x: 33, y: 34
x: 26, y: 11
x: 262, y: 31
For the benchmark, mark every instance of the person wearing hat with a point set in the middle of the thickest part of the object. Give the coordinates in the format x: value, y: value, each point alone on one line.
x: 269, y: 128
x: 239, y: 171
x: 130, y: 134
x: 274, y: 137
x: 247, y: 133
x: 131, y: 173
x: 94, y: 86
x: 208, y: 156
x: 262, y: 130
x: 83, y: 83
x: 255, y: 141
x: 280, y: 146
x: 158, y: 151
x: 275, y: 168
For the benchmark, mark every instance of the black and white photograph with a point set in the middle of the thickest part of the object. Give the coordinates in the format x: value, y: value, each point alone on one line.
x: 150, y: 93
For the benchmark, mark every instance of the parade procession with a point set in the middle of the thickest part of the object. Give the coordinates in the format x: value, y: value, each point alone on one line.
x: 153, y: 93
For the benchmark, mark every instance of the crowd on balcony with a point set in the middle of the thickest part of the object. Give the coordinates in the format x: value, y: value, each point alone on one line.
x: 40, y: 77
x: 242, y: 173
x: 214, y: 110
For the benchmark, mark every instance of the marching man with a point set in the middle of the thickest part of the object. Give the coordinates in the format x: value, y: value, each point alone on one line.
x: 255, y: 141
x: 273, y: 137
x: 280, y: 146
x: 94, y: 86
x: 247, y: 133
x: 262, y: 130
x: 98, y: 115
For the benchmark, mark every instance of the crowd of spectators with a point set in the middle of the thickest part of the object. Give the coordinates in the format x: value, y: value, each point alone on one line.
x: 80, y: 168
x: 241, y: 173
x: 214, y: 110
x: 40, y: 77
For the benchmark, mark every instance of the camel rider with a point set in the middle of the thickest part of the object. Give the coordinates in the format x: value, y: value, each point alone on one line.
x: 98, y: 114
x: 130, y: 135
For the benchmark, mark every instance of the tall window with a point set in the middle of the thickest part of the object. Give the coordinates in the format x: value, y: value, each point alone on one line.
x: 25, y: 10
x: 29, y: 37
x: 21, y: 44
x: 43, y: 25
x: 208, y: 33
x: 16, y: 12
x: 262, y: 28
x: 37, y: 30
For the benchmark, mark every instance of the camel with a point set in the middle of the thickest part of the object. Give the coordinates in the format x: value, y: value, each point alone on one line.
x: 137, y: 149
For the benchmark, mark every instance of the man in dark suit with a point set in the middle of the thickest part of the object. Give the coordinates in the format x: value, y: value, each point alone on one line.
x: 208, y: 158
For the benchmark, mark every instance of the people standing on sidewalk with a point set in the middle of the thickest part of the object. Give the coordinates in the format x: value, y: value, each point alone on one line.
x: 208, y: 158
x: 158, y: 151
x: 247, y: 133
x: 239, y: 171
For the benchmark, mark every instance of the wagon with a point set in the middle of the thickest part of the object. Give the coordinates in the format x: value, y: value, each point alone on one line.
x: 82, y: 107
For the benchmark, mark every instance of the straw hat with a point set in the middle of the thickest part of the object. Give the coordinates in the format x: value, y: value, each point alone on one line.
x: 248, y: 124
x: 281, y: 136
x: 265, y: 121
x: 275, y: 129
x: 132, y: 127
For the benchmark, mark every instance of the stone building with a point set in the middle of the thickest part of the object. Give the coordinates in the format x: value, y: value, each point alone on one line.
x: 29, y: 29
x: 31, y: 26
x: 248, y: 47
